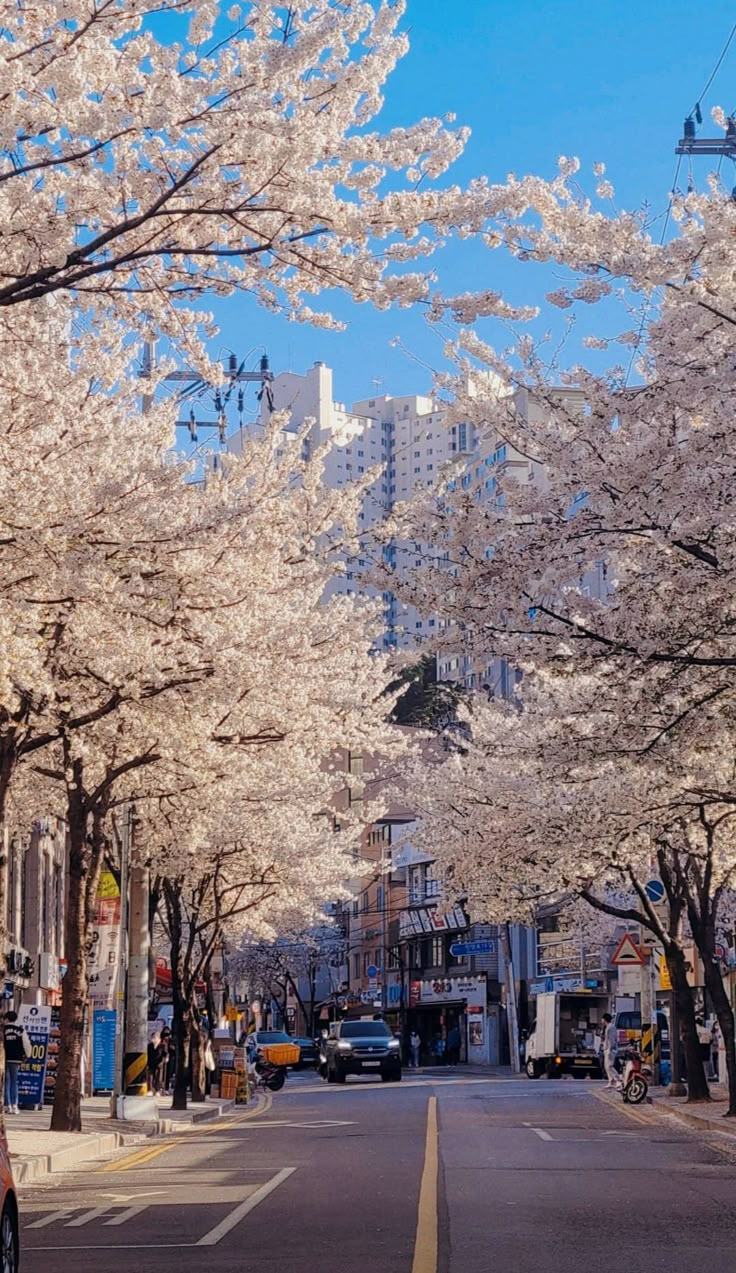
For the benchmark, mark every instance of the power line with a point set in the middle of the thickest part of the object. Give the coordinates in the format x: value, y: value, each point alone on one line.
x: 716, y: 69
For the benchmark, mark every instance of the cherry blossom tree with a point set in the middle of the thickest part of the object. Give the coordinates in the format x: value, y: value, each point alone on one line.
x: 600, y: 563
x: 141, y: 173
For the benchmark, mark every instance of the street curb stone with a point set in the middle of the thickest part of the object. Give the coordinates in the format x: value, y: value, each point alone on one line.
x: 35, y: 1167
x: 28, y: 1168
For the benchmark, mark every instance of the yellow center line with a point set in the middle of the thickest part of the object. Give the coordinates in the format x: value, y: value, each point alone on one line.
x: 425, y: 1246
x: 635, y: 1115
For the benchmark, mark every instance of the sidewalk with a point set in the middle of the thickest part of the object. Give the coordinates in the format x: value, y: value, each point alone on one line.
x: 709, y: 1116
x: 35, y: 1151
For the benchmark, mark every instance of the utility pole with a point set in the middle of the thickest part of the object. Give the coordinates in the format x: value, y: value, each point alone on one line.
x: 136, y: 1102
x: 511, y: 1013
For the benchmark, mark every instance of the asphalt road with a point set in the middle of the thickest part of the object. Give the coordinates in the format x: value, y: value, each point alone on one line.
x: 445, y: 1175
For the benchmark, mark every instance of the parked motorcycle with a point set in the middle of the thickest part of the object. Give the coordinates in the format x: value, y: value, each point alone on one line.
x: 634, y: 1078
x: 269, y: 1075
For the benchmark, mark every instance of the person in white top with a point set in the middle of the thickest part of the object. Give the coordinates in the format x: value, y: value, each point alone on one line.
x: 610, y: 1050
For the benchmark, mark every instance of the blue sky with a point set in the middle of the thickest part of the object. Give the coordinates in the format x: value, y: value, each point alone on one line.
x: 533, y: 79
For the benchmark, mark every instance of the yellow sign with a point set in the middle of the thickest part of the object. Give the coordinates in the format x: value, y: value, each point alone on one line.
x: 108, y: 885
x: 241, y: 1089
x: 665, y: 981
x: 231, y: 1012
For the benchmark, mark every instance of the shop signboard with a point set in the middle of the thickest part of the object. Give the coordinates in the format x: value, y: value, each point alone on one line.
x: 475, y: 1032
x: 424, y: 920
x: 52, y: 1059
x: 105, y: 943
x: 449, y: 990
x: 36, y: 1021
x: 103, y: 1049
x: 563, y: 985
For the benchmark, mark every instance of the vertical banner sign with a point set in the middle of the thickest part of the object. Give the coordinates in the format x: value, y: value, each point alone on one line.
x: 36, y: 1022
x: 103, y: 950
x: 103, y: 1049
x: 52, y: 1057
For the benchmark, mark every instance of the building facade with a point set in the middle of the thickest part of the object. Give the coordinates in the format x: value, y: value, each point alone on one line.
x: 36, y: 906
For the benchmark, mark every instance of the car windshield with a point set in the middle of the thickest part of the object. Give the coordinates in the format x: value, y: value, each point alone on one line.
x: 364, y: 1030
x: 272, y: 1036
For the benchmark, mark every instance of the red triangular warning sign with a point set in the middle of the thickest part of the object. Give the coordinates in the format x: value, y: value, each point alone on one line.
x: 627, y: 953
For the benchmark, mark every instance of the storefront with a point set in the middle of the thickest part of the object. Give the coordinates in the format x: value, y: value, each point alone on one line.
x: 450, y: 1016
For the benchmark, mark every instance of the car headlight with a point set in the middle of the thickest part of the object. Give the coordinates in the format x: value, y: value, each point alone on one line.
x: 394, y: 1043
x: 344, y: 1046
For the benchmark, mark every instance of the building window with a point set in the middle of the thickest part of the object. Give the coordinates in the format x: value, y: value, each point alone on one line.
x: 365, y: 902
x: 356, y: 965
x: 417, y: 876
x: 438, y: 952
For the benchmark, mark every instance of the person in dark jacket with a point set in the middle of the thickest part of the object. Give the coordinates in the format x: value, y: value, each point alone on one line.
x: 453, y: 1046
x: 17, y: 1048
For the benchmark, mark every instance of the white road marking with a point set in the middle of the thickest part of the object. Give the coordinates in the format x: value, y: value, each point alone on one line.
x: 87, y: 1216
x: 541, y: 1133
x: 62, y: 1214
x: 257, y: 1124
x: 224, y: 1227
x: 126, y: 1215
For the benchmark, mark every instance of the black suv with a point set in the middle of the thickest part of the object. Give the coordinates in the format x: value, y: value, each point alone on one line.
x: 362, y: 1047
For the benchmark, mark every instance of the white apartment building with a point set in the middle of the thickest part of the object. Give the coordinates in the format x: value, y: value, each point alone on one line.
x: 407, y: 440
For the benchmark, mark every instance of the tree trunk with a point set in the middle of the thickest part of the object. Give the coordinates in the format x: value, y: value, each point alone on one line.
x: 697, y: 1083
x: 181, y: 1022
x: 181, y: 1026
x: 8, y: 760
x: 720, y: 1001
x: 67, y: 1111
x: 197, y: 1044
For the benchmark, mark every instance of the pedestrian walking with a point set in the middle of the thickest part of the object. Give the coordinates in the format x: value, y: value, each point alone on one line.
x: 453, y: 1046
x: 17, y: 1049
x: 165, y: 1062
x: 715, y: 1046
x: 705, y: 1041
x: 415, y: 1048
x: 439, y: 1049
x: 610, y: 1050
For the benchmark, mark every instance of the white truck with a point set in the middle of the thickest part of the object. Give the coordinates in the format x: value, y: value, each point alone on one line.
x: 565, y: 1035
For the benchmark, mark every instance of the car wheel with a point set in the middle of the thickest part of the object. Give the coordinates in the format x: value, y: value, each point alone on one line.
x: 9, y: 1252
x: 330, y: 1074
x: 532, y: 1070
x: 340, y: 1075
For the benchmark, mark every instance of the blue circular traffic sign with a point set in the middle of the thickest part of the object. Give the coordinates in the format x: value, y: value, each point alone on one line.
x: 371, y: 971
x: 654, y: 891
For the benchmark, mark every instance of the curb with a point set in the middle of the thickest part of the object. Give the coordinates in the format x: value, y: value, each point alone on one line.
x: 30, y: 1168
x: 36, y: 1167
x: 165, y: 1126
x: 722, y: 1124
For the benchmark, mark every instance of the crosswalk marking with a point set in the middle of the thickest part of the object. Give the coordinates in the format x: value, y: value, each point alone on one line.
x: 86, y: 1217
x: 126, y: 1215
x: 49, y: 1219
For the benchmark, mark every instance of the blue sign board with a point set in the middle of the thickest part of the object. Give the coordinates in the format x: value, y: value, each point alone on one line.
x: 371, y: 972
x: 36, y: 1020
x: 103, y: 1050
x: 654, y: 891
x: 459, y: 948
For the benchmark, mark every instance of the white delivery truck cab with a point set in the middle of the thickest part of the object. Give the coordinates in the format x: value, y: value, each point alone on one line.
x: 565, y: 1036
